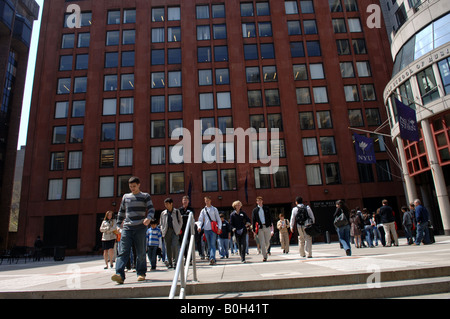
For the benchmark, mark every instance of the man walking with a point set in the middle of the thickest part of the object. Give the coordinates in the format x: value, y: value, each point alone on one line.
x: 388, y: 221
x: 135, y: 213
x: 422, y: 217
x: 210, y: 214
x: 302, y: 216
x: 171, y: 223
x: 261, y: 216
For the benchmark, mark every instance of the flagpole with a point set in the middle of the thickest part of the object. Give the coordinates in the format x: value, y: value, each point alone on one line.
x: 413, y: 101
x: 365, y: 131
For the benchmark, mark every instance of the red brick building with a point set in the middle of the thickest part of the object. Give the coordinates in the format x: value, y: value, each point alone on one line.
x: 108, y: 95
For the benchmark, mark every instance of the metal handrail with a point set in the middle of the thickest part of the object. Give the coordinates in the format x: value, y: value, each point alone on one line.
x: 181, y: 268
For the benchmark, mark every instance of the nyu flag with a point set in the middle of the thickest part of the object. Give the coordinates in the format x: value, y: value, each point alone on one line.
x: 365, y: 152
x: 407, y: 122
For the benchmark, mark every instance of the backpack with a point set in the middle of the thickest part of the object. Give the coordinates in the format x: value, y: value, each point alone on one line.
x: 302, y: 215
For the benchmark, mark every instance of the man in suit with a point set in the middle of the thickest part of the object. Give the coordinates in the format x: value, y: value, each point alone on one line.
x: 261, y: 215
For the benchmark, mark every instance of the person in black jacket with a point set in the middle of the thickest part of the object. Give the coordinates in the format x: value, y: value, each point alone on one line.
x: 343, y: 229
x: 261, y: 216
x: 388, y: 221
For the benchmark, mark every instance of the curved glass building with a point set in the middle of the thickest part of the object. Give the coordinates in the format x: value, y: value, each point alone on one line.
x: 419, y: 32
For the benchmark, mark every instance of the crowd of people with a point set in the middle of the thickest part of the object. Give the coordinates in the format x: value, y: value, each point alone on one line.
x: 137, y: 235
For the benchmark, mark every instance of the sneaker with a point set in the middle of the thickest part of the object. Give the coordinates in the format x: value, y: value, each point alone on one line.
x: 117, y: 278
x: 141, y: 278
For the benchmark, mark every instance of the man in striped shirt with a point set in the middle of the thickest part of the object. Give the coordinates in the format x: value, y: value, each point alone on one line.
x: 135, y: 213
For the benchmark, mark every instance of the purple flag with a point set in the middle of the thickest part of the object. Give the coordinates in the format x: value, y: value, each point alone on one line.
x: 407, y: 122
x: 365, y: 152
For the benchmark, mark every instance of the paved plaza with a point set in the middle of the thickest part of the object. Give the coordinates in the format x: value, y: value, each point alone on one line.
x: 85, y: 276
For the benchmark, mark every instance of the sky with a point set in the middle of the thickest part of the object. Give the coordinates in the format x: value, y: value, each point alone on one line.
x: 29, y: 79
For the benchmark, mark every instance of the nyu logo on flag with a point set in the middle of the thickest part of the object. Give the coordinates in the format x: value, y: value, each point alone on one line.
x: 407, y: 122
x: 365, y: 152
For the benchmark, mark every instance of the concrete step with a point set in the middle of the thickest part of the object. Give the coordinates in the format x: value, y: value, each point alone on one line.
x: 396, y: 282
x: 391, y: 289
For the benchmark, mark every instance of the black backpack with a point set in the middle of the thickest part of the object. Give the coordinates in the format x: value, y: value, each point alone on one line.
x: 302, y: 215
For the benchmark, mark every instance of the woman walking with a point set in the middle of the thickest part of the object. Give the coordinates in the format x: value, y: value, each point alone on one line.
x: 342, y: 224
x: 108, y: 230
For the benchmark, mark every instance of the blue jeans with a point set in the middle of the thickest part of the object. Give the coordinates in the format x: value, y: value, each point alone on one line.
x: 421, y: 229
x: 223, y: 247
x: 129, y: 238
x: 211, y: 238
x: 369, y: 234
x: 151, y: 253
x: 344, y: 236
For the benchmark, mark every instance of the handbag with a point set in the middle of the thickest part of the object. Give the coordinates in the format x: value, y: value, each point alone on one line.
x: 313, y: 230
x: 214, y: 224
x: 340, y: 220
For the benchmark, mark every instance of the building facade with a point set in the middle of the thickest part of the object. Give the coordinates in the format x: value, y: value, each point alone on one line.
x: 420, y: 46
x: 16, y: 23
x: 110, y: 94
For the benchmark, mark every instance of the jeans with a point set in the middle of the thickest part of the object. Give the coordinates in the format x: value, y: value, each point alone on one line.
x: 344, y: 237
x: 223, y: 247
x: 211, y: 238
x: 421, y: 229
x: 369, y: 234
x: 242, y: 243
x: 408, y: 233
x: 130, y: 237
x: 151, y: 253
x: 391, y: 233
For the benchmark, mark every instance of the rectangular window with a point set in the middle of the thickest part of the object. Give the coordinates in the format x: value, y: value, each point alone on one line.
x: 106, y: 186
x: 300, y: 72
x: 127, y: 82
x: 157, y: 103
x: 176, y: 183
x: 109, y: 106
x: 107, y: 158
x: 76, y: 133
x: 174, y: 13
x: 291, y: 7
x: 262, y: 178
x: 351, y: 93
x: 122, y: 185
x: 65, y: 63
x: 225, y: 123
x: 306, y: 120
x: 310, y: 146
x: 354, y: 25
x: 281, y: 177
x: 84, y: 39
x: 75, y: 160
x: 359, y: 46
x: 158, y: 155
x: 257, y: 122
x: 316, y: 70
x: 210, y: 182
x: 339, y: 25
x: 303, y: 96
x: 363, y: 69
x: 110, y: 83
x: 277, y: 148
x: 128, y: 37
x: 307, y: 6
x: 313, y: 174
x: 228, y: 179
x: 310, y: 26
x: 126, y: 131
x: 247, y: 10
x: 158, y: 15
x: 347, y: 70
x: 254, y: 98
x: 203, y: 32
x: 114, y: 17
x: 332, y: 174
x: 218, y: 11
x: 127, y: 58
x: 158, y: 35
x: 176, y: 124
x: 158, y: 184
x: 267, y: 51
x: 343, y: 47
x: 206, y: 101
x: 294, y: 27
x: 202, y: 11
x: 219, y: 31
x: 173, y: 34
x: 158, y: 80
x: 355, y: 118
x: 204, y: 77
x: 265, y: 29
x: 64, y: 86
x: 223, y: 100
x: 61, y: 110
x: 327, y: 145
x: 126, y: 105
x: 248, y: 30
x: 324, y: 119
x: 68, y: 41
x: 272, y: 97
x: 173, y: 56
x: 129, y: 16
x: 80, y: 85
x: 320, y: 94
x: 59, y: 134
x: 368, y: 92
x: 427, y: 85
x: 313, y: 48
x: 373, y: 117
x: 108, y: 132
x: 55, y: 189
x: 252, y: 74
x: 73, y: 188
x: 297, y: 49
x: 112, y: 38
x: 175, y: 103
x: 125, y: 157
x: 221, y: 53
x: 157, y: 129
x: 174, y: 79
x: 365, y: 173
x: 57, y: 161
x: 274, y: 121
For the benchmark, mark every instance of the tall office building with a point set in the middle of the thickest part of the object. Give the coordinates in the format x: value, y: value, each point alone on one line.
x: 16, y: 22
x: 109, y: 95
x: 420, y: 46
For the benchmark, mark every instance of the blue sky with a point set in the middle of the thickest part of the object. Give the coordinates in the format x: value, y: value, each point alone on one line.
x: 29, y: 80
